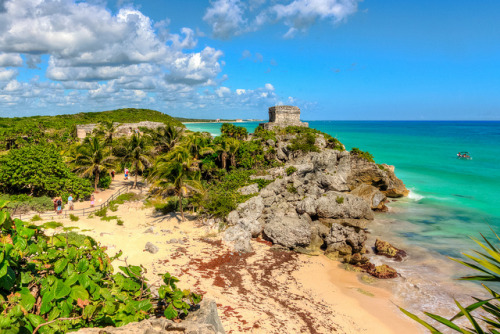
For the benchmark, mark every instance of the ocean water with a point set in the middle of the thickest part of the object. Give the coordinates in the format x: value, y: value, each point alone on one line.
x: 451, y: 199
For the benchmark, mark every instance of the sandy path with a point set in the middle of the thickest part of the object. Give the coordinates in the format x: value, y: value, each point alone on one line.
x: 268, y: 291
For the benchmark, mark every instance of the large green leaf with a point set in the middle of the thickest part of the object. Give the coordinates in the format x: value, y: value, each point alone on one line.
x: 170, y: 312
x: 61, y: 289
x: 8, y: 280
x: 60, y: 265
x: 27, y: 299
x: 79, y: 292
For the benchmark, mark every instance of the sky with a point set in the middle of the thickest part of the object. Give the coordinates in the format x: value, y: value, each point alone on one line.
x: 335, y: 59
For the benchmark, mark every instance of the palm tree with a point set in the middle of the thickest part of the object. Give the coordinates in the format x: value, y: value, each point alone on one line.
x: 166, y: 138
x: 222, y: 150
x: 138, y: 154
x: 175, y: 172
x: 107, y: 129
x: 234, y: 145
x: 92, y: 158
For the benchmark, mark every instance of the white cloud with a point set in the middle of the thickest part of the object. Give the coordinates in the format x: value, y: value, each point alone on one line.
x: 231, y: 17
x: 7, y: 75
x: 226, y: 18
x: 10, y: 60
x: 240, y: 91
x: 269, y: 87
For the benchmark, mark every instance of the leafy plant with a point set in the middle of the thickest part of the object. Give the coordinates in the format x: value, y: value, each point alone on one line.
x: 101, y: 212
x: 119, y: 222
x: 363, y: 155
x: 65, y: 282
x: 305, y: 142
x: 339, y: 199
x: 290, y: 170
x: 73, y: 218
x: 291, y: 189
x: 487, y: 263
x: 109, y: 218
x: 36, y: 218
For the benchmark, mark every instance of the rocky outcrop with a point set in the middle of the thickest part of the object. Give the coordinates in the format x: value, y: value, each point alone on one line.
x: 324, y: 205
x: 386, y: 249
x: 205, y: 320
x: 289, y: 232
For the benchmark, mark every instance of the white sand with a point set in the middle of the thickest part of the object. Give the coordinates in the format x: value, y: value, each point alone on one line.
x: 264, y: 292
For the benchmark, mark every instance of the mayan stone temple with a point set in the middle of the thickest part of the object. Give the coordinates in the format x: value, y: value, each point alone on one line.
x: 283, y: 116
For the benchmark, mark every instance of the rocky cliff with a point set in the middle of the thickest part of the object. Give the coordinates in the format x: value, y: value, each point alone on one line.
x: 320, y: 202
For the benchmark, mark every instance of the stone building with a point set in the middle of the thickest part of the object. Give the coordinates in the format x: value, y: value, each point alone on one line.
x: 283, y: 116
x: 125, y: 129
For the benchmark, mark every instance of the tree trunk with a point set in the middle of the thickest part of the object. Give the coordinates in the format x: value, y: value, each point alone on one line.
x: 223, y: 159
x: 233, y: 160
x: 180, y: 205
x: 135, y: 179
x: 96, y: 180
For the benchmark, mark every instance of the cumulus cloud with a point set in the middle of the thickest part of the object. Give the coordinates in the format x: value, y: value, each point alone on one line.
x: 226, y: 18
x: 10, y: 60
x: 231, y: 17
x: 6, y: 75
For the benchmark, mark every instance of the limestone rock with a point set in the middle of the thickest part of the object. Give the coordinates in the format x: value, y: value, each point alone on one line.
x: 250, y: 189
x: 238, y: 238
x: 382, y: 272
x: 289, y: 232
x: 345, y: 240
x: 370, y: 194
x: 388, y: 250
x: 151, y: 248
x: 340, y: 205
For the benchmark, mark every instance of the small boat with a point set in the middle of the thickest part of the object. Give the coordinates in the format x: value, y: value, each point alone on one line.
x: 464, y: 155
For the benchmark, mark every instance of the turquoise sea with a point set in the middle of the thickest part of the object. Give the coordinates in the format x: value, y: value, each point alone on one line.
x: 450, y: 200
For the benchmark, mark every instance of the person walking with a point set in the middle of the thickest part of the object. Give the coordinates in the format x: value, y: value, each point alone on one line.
x: 59, y: 205
x: 92, y: 200
x: 55, y: 204
x: 126, y: 173
x: 70, y: 202
x: 113, y: 175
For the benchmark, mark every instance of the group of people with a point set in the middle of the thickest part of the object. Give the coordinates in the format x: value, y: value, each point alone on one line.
x: 463, y: 155
x: 58, y: 204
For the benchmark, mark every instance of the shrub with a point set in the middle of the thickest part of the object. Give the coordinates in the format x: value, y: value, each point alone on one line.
x: 339, y: 199
x: 101, y: 212
x: 262, y: 183
x: 72, y: 278
x: 305, y: 142
x: 36, y: 218
x: 363, y: 155
x: 291, y: 189
x: 290, y: 170
x: 23, y: 203
x: 119, y: 222
x: 109, y: 218
x: 74, y: 218
x: 264, y: 134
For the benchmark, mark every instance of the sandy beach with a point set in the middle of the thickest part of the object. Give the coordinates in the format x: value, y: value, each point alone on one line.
x: 268, y: 291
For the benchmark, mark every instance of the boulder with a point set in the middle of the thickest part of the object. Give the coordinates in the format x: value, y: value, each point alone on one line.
x: 238, y: 239
x: 356, y: 223
x: 250, y: 189
x: 307, y: 205
x: 289, y: 232
x: 386, y: 249
x: 151, y: 248
x: 205, y: 320
x: 345, y: 240
x: 382, y: 272
x: 370, y: 194
x: 340, y: 205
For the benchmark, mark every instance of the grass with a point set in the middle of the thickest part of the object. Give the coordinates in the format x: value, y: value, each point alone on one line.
x: 339, y: 199
x: 119, y: 222
x: 109, y: 218
x: 290, y: 170
x: 36, y: 218
x: 74, y: 218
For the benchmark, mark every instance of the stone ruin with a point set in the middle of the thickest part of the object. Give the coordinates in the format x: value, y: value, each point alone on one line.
x: 283, y: 116
x: 125, y: 129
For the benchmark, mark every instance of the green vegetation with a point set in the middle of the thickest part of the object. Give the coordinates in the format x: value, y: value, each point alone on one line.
x: 339, y: 199
x: 363, y: 155
x: 36, y: 218
x: 233, y: 131
x: 39, y: 170
x: 101, y: 212
x: 73, y: 218
x: 65, y: 282
x: 291, y: 189
x: 119, y: 222
x: 305, y: 142
x: 109, y: 218
x: 487, y: 264
x: 24, y: 203
x: 290, y: 170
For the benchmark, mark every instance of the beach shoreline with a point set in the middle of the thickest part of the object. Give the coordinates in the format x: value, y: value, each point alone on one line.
x: 264, y: 292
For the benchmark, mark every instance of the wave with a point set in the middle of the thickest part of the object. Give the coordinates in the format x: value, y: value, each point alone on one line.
x: 414, y: 196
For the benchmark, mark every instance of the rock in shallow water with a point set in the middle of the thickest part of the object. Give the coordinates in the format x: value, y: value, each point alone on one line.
x: 388, y: 250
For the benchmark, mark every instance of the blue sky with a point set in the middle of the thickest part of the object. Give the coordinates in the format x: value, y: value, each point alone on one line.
x: 335, y: 59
